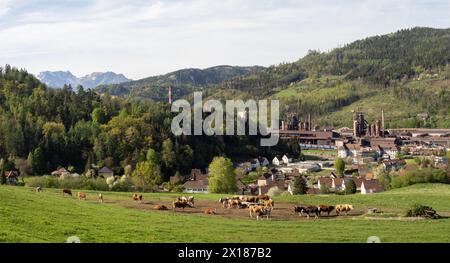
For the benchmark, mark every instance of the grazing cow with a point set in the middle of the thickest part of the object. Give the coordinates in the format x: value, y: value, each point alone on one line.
x: 307, y: 209
x: 189, y: 199
x: 269, y: 204
x: 343, y: 208
x: 181, y: 204
x: 263, y: 197
x: 259, y: 211
x: 210, y: 211
x: 232, y: 203
x: 252, y: 199
x: 81, y: 195
x: 66, y: 191
x: 224, y: 201
x: 325, y: 208
x: 100, y: 198
x: 38, y: 189
x: 160, y: 207
x: 137, y: 197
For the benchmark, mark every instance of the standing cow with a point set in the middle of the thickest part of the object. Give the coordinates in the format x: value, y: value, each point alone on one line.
x: 81, y: 196
x: 325, y: 208
x: 345, y: 208
x: 66, y: 191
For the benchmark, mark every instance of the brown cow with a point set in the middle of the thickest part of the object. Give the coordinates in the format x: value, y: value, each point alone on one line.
x: 137, y: 197
x: 263, y: 197
x: 325, y: 208
x: 269, y: 204
x: 259, y: 211
x: 210, y: 211
x: 252, y: 199
x: 81, y: 196
x: 181, y: 204
x: 66, y: 191
x: 307, y: 209
x: 234, y: 203
x: 343, y: 208
x: 160, y: 207
x: 224, y: 201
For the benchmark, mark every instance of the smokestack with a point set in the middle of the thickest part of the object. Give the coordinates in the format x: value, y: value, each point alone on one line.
x: 170, y: 94
x: 355, y: 128
x: 382, y: 121
x: 309, y: 121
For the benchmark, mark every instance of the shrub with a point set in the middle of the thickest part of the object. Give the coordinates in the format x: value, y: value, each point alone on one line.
x: 84, y: 183
x: 350, y: 186
x: 422, y: 211
x: 324, y: 189
x: 274, y: 191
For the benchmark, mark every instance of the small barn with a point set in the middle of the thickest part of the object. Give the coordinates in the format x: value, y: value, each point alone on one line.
x: 105, y: 172
x: 196, y: 187
x: 12, y: 177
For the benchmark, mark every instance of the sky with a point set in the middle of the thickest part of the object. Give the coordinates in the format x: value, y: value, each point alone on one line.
x: 144, y: 38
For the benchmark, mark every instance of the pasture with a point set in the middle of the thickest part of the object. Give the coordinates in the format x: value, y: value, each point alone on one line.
x: 28, y: 216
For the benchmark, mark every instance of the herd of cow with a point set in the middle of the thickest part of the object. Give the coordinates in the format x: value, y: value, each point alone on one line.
x: 259, y: 206
x: 262, y: 206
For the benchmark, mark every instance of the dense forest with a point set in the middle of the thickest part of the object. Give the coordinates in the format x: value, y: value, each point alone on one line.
x: 43, y: 128
x: 183, y: 81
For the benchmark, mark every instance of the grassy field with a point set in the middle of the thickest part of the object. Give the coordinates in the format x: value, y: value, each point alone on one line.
x: 27, y: 216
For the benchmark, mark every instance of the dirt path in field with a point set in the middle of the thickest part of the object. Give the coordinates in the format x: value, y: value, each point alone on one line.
x: 281, y: 212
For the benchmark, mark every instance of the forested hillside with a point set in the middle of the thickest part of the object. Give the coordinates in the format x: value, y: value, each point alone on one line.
x: 43, y: 128
x: 183, y: 82
x: 406, y: 72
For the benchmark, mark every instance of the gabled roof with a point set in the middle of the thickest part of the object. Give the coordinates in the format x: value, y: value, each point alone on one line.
x: 373, y: 185
x: 197, y: 184
x: 105, y: 170
x: 11, y: 174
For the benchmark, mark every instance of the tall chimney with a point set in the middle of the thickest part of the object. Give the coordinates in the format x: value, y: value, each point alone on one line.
x: 170, y: 94
x: 382, y: 121
x: 309, y: 121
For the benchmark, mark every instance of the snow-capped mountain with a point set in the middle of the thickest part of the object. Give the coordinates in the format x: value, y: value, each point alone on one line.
x: 57, y: 79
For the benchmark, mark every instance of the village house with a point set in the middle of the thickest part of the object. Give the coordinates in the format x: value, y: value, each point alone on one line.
x: 196, y: 186
x: 287, y: 159
x: 333, y: 184
x: 277, y: 161
x: 370, y: 186
x: 105, y: 172
x: 265, y: 179
x: 263, y: 161
x: 393, y: 164
x: 12, y: 177
x: 61, y: 173
x: 281, y: 185
x: 255, y: 164
x: 197, y: 183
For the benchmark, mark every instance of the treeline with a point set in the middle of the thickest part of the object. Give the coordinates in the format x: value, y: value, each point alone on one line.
x: 42, y: 129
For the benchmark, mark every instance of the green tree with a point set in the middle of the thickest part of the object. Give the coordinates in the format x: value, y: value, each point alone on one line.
x: 150, y: 174
x: 350, y: 186
x: 168, y: 155
x: 221, y: 176
x: 152, y: 157
x: 383, y: 177
x: 300, y: 187
x: 2, y: 172
x: 38, y: 161
x: 99, y: 116
x: 339, y: 165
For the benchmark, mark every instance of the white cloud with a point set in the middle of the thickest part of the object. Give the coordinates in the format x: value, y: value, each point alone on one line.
x: 142, y: 38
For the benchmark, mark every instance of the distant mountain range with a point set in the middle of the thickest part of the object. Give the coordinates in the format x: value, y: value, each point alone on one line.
x: 183, y: 82
x: 57, y: 79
